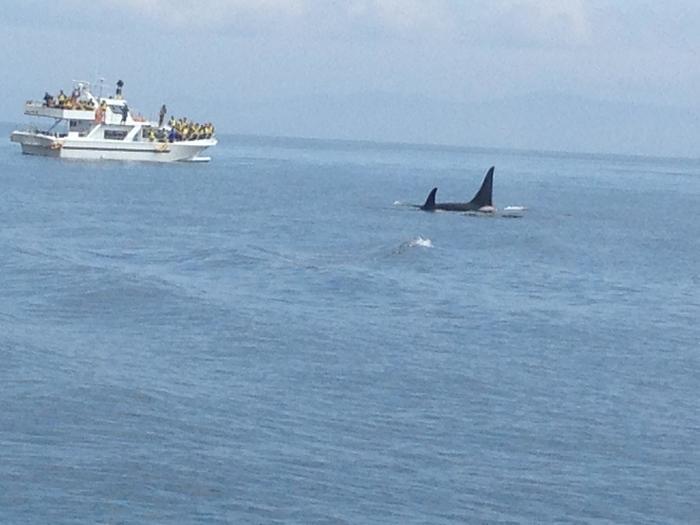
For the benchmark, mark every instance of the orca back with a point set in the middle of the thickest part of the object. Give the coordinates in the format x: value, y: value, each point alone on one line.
x: 483, y: 197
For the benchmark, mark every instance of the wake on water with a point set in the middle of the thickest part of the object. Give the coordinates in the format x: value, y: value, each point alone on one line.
x: 418, y: 242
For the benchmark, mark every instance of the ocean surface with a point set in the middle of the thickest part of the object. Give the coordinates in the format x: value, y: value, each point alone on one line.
x: 274, y: 337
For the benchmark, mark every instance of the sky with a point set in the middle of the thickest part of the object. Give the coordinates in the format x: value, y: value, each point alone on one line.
x: 613, y: 76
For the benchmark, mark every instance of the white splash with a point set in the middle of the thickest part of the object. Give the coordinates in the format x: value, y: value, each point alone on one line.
x: 422, y: 242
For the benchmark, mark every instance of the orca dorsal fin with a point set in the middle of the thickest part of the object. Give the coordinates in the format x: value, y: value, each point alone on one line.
x: 483, y: 197
x: 430, y: 201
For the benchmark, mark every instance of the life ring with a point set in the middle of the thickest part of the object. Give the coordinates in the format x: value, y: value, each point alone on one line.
x: 162, y: 147
x: 56, y: 145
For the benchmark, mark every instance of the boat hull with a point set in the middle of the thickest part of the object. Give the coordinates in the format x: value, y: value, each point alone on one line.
x: 78, y: 148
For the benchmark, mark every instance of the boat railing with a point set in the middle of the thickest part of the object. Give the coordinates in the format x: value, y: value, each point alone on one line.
x: 34, y: 130
x: 38, y: 109
x: 69, y: 104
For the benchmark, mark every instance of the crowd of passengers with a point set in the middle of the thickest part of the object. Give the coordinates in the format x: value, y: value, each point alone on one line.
x: 63, y: 101
x: 180, y: 129
x: 183, y: 129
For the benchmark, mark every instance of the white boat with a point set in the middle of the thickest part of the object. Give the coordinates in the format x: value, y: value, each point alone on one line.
x: 104, y: 128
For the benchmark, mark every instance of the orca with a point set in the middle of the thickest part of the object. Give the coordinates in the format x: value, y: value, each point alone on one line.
x: 482, y: 201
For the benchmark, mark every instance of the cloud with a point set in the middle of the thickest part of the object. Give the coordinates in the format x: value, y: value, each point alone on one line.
x: 540, y: 22
x: 523, y: 23
x: 561, y: 20
x: 401, y: 16
x: 208, y: 14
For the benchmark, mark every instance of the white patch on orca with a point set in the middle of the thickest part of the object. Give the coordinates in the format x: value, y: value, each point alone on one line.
x: 513, y: 212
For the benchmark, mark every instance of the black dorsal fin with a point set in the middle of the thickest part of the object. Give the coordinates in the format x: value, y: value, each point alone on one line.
x: 483, y: 197
x: 430, y: 201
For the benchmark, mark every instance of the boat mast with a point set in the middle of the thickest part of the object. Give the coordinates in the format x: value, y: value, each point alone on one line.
x: 101, y: 82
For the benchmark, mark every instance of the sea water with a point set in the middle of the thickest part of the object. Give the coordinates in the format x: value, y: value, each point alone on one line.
x: 276, y: 337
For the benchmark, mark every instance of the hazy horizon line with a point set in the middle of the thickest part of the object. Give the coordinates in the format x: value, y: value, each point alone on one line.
x: 441, y: 146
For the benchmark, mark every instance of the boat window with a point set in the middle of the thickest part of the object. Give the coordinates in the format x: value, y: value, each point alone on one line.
x: 116, y: 109
x: 115, y: 134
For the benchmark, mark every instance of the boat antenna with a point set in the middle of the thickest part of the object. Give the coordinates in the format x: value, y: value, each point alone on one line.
x: 101, y: 81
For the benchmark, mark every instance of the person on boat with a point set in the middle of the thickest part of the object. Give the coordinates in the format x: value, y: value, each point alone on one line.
x: 125, y: 113
x: 48, y: 100
x: 161, y: 115
x: 151, y: 135
x: 61, y: 99
x: 99, y: 115
x: 120, y: 85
